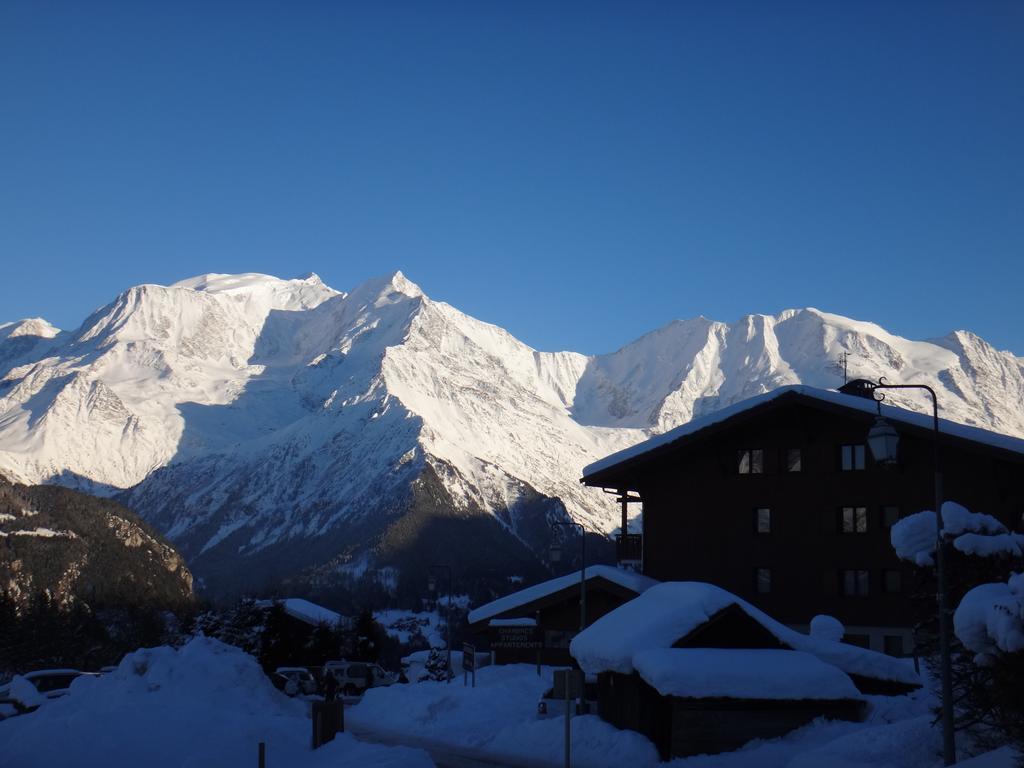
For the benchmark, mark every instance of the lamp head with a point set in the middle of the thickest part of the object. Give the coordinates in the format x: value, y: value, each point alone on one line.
x: 883, y: 440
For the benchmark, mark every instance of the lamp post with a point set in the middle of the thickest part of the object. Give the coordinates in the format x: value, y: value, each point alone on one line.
x: 555, y: 553
x: 432, y: 587
x: 883, y: 440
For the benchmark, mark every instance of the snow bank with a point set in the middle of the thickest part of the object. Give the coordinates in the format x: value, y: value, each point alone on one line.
x: 741, y: 673
x: 206, y: 705
x: 497, y: 722
x: 910, y: 743
x: 627, y: 579
x: 668, y: 612
x: 826, y: 627
x: 499, y: 717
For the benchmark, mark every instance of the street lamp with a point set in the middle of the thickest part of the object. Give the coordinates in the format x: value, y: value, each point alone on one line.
x: 555, y: 554
x: 883, y: 441
x: 432, y: 588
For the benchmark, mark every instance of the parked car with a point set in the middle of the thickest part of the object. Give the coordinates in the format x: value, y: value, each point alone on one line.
x: 49, y: 684
x: 294, y: 680
x: 11, y: 708
x: 354, y: 677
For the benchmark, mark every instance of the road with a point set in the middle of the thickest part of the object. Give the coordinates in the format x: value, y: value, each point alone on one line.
x: 446, y: 755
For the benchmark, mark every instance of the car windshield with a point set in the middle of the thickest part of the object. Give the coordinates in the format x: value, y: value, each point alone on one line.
x: 53, y: 682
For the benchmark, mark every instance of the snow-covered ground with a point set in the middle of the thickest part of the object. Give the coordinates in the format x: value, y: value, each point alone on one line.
x: 207, y: 705
x: 499, y: 718
x: 407, y: 626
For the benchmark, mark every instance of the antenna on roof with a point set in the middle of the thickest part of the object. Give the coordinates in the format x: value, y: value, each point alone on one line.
x: 842, y: 365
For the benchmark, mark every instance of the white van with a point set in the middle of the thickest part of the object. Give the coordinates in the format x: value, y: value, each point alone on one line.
x: 354, y: 677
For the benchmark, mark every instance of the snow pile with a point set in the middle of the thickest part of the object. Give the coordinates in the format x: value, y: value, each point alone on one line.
x: 497, y: 723
x: 630, y: 580
x: 972, y: 533
x: 910, y: 743
x: 670, y: 611
x: 826, y: 627
x: 25, y: 692
x: 742, y: 673
x: 206, y: 705
x: 990, y: 618
x: 497, y: 718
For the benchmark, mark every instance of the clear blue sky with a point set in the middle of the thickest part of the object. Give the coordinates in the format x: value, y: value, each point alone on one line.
x: 579, y: 173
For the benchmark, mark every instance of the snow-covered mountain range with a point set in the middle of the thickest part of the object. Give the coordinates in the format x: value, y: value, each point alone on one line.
x: 303, y: 432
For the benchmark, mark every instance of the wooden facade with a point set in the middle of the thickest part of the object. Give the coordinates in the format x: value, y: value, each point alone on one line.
x: 558, y: 621
x: 823, y: 545
x: 680, y: 727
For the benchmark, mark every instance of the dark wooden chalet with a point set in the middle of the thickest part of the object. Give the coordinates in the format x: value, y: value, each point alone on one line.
x: 778, y: 500
x: 545, y: 617
x: 698, y: 670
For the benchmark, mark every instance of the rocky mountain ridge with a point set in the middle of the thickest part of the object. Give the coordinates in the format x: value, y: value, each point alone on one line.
x: 307, y: 434
x: 72, y: 547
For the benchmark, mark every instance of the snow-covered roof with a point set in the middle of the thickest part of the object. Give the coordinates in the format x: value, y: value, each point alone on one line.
x: 630, y: 580
x: 668, y: 612
x: 303, y: 610
x: 853, y: 402
x: 523, y: 622
x: 742, y: 673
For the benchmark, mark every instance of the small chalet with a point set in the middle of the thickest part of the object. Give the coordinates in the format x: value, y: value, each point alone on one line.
x: 778, y: 500
x: 536, y: 624
x: 305, y: 615
x: 698, y: 670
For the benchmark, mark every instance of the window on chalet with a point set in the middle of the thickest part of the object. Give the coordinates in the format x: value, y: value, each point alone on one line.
x: 893, y: 645
x: 890, y: 516
x: 794, y: 460
x: 852, y: 457
x: 763, y: 520
x: 861, y: 641
x: 750, y: 461
x: 853, y: 520
x: 763, y: 579
x: 855, y: 583
x: 892, y: 582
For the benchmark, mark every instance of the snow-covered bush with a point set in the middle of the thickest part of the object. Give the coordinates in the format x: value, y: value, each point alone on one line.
x: 436, y: 667
x: 972, y: 533
x: 988, y: 672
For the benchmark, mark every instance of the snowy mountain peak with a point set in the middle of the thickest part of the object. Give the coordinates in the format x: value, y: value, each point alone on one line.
x: 32, y: 326
x: 388, y: 289
x: 247, y: 414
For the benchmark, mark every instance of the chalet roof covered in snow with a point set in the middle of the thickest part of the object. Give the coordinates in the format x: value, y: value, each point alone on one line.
x: 669, y: 612
x: 812, y: 395
x: 742, y: 673
x: 630, y: 580
x: 303, y: 610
